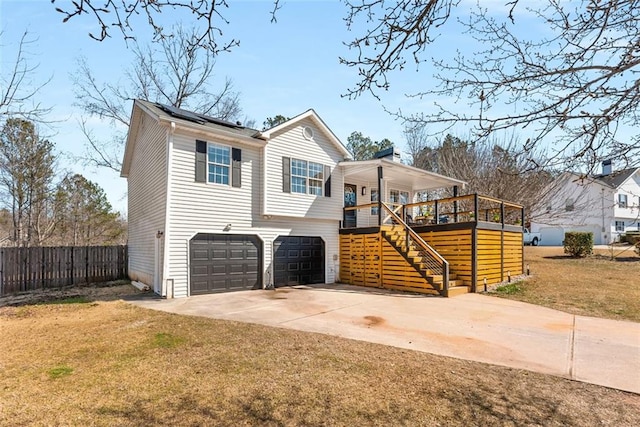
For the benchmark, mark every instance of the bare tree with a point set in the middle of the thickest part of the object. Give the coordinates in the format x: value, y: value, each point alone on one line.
x: 17, y: 89
x: 490, y: 167
x: 126, y: 16
x: 575, y: 83
x: 174, y: 72
x: 417, y: 140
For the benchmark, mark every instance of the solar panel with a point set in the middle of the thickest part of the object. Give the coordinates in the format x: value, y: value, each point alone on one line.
x: 221, y: 122
x: 195, y: 117
x: 182, y: 114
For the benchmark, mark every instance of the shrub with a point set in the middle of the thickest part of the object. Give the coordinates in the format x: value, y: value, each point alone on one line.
x: 578, y: 244
x: 638, y: 248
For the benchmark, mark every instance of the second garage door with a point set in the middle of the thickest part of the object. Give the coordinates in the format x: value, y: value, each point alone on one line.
x: 298, y: 260
x: 224, y: 262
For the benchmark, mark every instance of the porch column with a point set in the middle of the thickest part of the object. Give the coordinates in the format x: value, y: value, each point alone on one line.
x: 380, y: 193
x: 455, y: 204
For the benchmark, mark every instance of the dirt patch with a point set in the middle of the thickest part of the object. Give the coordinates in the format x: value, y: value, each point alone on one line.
x: 107, y: 291
x: 374, y: 321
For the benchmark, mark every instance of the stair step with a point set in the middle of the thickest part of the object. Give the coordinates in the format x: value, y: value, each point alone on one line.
x: 458, y: 290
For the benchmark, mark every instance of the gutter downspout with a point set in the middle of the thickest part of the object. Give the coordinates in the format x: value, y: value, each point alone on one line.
x: 603, y: 222
x: 263, y: 165
x: 380, y: 193
x: 168, y: 293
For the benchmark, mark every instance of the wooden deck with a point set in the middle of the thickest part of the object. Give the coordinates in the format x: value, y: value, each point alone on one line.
x: 475, y: 251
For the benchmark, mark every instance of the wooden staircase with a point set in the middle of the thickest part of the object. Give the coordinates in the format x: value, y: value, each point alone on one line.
x: 396, y: 235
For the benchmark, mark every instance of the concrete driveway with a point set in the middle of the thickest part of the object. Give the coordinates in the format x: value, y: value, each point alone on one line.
x: 473, y: 327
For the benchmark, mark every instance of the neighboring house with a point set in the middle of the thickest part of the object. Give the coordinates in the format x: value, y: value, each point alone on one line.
x: 608, y: 205
x: 215, y: 206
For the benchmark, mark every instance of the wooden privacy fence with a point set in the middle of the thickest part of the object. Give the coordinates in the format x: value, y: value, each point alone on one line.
x: 25, y: 269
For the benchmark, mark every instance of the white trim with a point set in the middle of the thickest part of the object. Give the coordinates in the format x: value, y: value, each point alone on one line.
x: 209, y: 133
x: 307, y: 177
x: 362, y: 165
x: 229, y: 165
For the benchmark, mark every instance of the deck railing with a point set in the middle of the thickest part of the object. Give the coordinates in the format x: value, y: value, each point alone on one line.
x: 468, y: 208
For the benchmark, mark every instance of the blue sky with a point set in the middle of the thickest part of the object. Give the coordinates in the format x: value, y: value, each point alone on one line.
x: 282, y: 68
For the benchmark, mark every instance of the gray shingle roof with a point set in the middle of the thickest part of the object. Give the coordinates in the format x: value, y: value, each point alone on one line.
x: 616, y: 178
x: 211, y: 122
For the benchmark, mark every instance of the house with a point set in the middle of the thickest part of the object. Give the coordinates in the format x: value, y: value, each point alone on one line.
x: 215, y: 206
x: 608, y: 205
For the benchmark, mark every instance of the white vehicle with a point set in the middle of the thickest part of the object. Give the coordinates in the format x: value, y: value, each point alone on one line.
x: 530, y: 238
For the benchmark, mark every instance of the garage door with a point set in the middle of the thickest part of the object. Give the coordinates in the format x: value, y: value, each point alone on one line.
x: 298, y: 260
x: 224, y: 262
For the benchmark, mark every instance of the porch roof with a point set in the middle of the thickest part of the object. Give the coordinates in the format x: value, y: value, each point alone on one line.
x: 417, y: 179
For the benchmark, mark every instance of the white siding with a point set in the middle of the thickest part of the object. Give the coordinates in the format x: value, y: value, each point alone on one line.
x: 595, y: 209
x: 208, y: 208
x: 631, y: 188
x: 291, y: 143
x: 146, y: 198
x: 198, y: 207
x: 592, y: 210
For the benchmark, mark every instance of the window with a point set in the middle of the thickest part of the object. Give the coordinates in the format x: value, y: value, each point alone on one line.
x: 306, y: 177
x: 218, y: 163
x: 569, y: 206
x: 374, y: 199
x: 622, y: 200
x: 619, y: 225
x: 399, y: 197
x: 404, y: 197
x: 298, y: 176
x: 316, y: 175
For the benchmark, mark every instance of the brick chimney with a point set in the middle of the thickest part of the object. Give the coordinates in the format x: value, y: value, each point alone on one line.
x: 607, y: 167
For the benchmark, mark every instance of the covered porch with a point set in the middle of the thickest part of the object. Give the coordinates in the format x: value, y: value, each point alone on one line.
x: 394, y: 238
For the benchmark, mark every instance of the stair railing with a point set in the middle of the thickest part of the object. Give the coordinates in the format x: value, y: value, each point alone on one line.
x: 396, y: 210
x: 430, y: 257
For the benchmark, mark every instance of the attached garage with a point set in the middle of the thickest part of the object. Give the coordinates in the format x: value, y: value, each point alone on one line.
x: 224, y: 262
x: 298, y: 260
x: 551, y: 236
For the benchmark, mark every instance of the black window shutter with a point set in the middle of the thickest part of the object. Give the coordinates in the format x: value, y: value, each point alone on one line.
x: 286, y: 174
x: 236, y: 167
x: 201, y: 161
x: 327, y: 181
